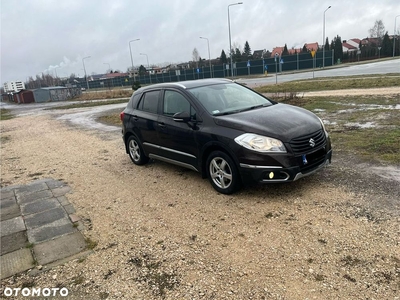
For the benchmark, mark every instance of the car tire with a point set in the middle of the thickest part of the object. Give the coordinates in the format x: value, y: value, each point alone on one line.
x: 135, y: 151
x: 222, y: 173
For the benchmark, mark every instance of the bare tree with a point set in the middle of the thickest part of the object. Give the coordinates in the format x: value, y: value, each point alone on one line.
x: 196, y: 56
x: 378, y: 31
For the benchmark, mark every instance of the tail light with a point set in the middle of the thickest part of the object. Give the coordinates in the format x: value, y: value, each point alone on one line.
x: 121, y: 115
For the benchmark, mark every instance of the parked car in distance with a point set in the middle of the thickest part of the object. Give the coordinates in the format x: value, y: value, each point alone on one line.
x: 226, y: 131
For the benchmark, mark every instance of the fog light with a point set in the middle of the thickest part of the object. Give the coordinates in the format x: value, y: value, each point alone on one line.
x: 271, y: 175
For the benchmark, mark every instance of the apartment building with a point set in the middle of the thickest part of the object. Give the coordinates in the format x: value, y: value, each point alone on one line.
x: 13, y: 86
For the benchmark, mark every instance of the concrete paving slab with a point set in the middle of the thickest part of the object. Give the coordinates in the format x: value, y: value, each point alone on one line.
x: 46, y: 217
x: 39, y: 206
x: 32, y: 187
x: 61, y: 191
x: 69, y: 209
x: 23, y: 198
x: 52, y: 184
x: 12, y: 226
x: 6, y: 202
x: 4, y: 194
x: 16, y: 262
x: 10, y: 212
x: 50, y: 231
x: 13, y: 242
x: 63, y: 200
x: 59, y: 248
x: 38, y: 214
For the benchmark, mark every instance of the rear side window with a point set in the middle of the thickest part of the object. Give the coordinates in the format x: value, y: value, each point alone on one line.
x: 134, y: 100
x: 149, y: 102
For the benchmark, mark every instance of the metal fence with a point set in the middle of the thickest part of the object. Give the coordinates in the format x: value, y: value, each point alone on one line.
x: 296, y: 62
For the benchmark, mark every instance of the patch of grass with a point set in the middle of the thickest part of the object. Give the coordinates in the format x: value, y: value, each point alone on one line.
x: 28, y: 284
x: 29, y: 245
x: 374, y: 143
x: 90, y: 244
x: 5, y: 114
x: 77, y: 280
x: 112, y: 119
x: 112, y: 94
x: 332, y: 83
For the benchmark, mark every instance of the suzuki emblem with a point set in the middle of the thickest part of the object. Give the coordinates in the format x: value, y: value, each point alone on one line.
x: 312, y: 143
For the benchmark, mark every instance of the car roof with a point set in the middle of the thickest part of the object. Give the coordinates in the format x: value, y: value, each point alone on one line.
x: 187, y: 84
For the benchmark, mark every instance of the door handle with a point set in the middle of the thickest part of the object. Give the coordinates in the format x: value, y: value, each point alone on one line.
x: 135, y: 117
x: 161, y: 125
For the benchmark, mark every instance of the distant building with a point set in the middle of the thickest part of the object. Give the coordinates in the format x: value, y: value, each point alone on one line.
x: 55, y: 93
x: 13, y: 86
x: 351, y: 45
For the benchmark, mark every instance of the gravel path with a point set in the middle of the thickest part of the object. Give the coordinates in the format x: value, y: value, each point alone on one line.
x: 164, y: 233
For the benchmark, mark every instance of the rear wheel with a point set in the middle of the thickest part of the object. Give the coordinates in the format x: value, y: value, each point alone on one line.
x: 136, y: 152
x: 222, y: 173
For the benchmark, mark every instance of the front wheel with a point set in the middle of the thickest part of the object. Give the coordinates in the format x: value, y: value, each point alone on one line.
x: 136, y: 152
x: 222, y: 173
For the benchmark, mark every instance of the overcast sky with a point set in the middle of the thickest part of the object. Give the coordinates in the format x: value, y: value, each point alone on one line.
x: 43, y: 35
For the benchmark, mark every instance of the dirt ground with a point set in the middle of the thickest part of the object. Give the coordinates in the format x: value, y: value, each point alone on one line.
x: 164, y: 233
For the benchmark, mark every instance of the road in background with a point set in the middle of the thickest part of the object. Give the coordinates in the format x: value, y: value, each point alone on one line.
x: 382, y: 67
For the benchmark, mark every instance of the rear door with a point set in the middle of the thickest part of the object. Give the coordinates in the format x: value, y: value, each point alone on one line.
x: 145, y: 118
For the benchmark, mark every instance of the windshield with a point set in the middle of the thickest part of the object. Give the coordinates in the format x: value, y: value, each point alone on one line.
x: 228, y: 98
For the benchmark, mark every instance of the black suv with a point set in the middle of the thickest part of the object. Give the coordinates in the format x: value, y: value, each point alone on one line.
x: 227, y: 132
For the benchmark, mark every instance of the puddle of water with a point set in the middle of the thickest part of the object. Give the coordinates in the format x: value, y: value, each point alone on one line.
x: 362, y: 126
x: 365, y: 107
x: 327, y: 122
x: 319, y: 110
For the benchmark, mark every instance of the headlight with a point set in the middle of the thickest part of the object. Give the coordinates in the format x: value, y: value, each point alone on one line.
x: 323, y: 126
x: 260, y: 143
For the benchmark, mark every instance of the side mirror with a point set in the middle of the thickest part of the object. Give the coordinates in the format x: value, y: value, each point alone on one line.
x: 181, y: 117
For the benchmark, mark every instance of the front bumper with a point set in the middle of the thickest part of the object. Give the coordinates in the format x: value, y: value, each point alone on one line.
x: 271, y: 174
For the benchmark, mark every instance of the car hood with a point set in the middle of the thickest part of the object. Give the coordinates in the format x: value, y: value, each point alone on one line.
x: 281, y: 121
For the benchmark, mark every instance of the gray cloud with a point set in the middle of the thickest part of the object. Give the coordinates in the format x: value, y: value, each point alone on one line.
x: 43, y: 35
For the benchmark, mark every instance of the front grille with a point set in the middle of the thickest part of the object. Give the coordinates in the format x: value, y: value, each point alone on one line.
x: 301, y: 145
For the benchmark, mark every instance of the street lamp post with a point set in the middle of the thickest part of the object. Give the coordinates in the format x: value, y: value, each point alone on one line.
x: 323, y: 40
x: 209, y: 57
x: 230, y: 43
x: 148, y: 65
x: 394, y: 34
x: 130, y: 50
x: 84, y: 69
x: 109, y: 67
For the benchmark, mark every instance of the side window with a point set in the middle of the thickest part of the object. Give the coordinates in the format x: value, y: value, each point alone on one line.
x: 175, y: 102
x: 134, y: 99
x: 149, y: 102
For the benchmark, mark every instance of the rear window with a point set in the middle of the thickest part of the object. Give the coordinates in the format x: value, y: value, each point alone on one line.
x: 149, y: 102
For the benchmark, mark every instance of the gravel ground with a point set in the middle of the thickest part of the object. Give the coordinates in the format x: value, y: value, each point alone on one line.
x: 164, y: 233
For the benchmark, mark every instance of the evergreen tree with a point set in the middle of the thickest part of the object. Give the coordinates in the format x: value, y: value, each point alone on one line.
x: 237, y: 56
x: 142, y: 70
x: 247, y: 50
x: 338, y: 48
x: 223, y: 58
x: 387, y: 46
x: 304, y: 50
x: 285, y: 51
x: 326, y: 44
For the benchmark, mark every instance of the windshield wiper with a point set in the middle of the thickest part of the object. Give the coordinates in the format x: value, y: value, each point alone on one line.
x: 226, y: 113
